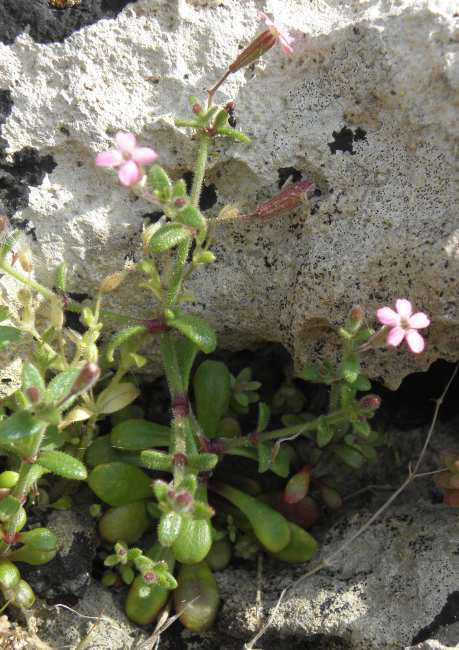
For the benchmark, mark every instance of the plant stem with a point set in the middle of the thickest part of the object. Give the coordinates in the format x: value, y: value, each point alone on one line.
x: 22, y: 486
x: 176, y: 388
x: 200, y: 169
x: 305, y: 429
x: 50, y: 295
x: 39, y: 288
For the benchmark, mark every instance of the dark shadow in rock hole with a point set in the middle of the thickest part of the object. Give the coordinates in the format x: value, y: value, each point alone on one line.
x: 208, y: 195
x: 448, y: 615
x: 47, y: 24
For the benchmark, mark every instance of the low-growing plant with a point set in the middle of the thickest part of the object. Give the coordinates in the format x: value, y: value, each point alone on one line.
x: 194, y: 488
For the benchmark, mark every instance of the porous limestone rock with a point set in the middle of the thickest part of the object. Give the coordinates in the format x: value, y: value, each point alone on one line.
x: 382, y: 593
x: 365, y: 107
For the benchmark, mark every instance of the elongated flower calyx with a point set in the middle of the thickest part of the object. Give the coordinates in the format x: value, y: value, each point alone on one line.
x: 288, y: 199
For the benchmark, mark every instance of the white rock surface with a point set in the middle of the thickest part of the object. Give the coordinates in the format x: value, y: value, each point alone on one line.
x: 379, y: 594
x: 384, y: 226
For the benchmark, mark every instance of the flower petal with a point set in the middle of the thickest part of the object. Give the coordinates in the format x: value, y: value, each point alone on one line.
x: 396, y: 336
x: 267, y: 19
x: 387, y: 316
x: 404, y: 308
x: 419, y: 321
x: 144, y: 155
x: 284, y: 42
x: 126, y: 142
x: 129, y: 173
x: 111, y: 158
x: 415, y: 341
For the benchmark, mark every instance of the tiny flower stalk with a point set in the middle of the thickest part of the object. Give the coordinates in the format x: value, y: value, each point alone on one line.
x: 259, y: 46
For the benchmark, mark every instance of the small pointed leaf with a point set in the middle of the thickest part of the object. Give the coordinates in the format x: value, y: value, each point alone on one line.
x: 63, y: 464
x: 167, y: 237
x: 197, y: 330
x: 121, y: 337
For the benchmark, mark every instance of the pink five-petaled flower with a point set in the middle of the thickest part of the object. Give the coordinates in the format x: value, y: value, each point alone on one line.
x: 127, y: 158
x: 280, y: 33
x: 404, y: 325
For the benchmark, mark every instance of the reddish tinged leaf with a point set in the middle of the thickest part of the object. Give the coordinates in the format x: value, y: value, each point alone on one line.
x: 298, y: 486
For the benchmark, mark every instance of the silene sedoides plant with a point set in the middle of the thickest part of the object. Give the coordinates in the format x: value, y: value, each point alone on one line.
x: 175, y: 502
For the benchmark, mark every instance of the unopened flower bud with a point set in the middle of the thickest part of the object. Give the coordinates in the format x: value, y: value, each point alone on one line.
x: 196, y: 108
x: 288, y: 199
x: 88, y: 376
x: 112, y: 282
x: 229, y: 212
x: 25, y: 260
x: 370, y: 402
x: 33, y: 394
x: 150, y: 577
x: 56, y: 315
x: 253, y: 51
x: 355, y: 319
x: 184, y: 501
x: 180, y: 202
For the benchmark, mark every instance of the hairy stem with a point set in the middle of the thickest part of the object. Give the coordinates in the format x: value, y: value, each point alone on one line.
x: 200, y: 169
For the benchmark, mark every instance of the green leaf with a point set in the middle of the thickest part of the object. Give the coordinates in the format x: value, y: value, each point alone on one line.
x: 18, y: 433
x: 202, y: 462
x: 361, y: 428
x: 31, y: 377
x: 157, y: 460
x: 349, y: 456
x: 368, y: 452
x: 264, y: 457
x: 234, y: 134
x: 4, y: 312
x: 241, y: 398
x: 63, y: 464
x: 325, y: 433
x: 362, y: 383
x: 121, y: 337
x: 179, y: 190
x: 197, y: 330
x: 212, y: 392
x: 100, y: 451
x: 278, y: 465
x: 309, y: 373
x: 8, y: 335
x: 160, y: 183
x: 119, y: 483
x: 264, y: 414
x: 168, y: 236
x: 221, y: 119
x: 186, y: 352
x: 60, y: 386
x: 351, y: 368
x: 9, y: 506
x: 191, y: 216
x: 116, y: 397
x: 61, y: 277
x: 138, y: 434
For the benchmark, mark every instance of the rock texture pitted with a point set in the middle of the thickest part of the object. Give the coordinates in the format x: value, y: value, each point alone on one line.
x: 366, y: 108
x: 378, y: 595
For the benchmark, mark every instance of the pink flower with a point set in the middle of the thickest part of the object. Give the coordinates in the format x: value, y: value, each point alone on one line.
x: 404, y: 325
x: 280, y: 33
x: 128, y: 158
